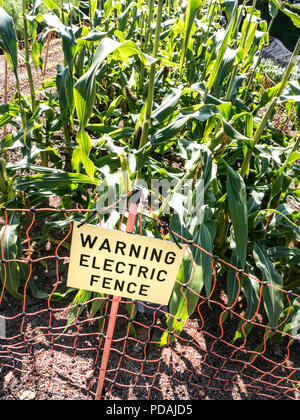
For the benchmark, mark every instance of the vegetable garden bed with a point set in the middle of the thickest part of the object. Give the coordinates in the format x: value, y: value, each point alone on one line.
x: 138, y: 93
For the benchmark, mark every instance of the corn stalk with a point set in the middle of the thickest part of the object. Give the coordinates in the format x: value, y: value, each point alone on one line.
x: 145, y: 128
x: 27, y: 57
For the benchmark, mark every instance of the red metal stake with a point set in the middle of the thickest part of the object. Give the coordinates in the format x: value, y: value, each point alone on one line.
x: 133, y: 207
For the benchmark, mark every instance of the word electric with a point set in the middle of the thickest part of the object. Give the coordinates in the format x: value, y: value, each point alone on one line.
x: 123, y: 264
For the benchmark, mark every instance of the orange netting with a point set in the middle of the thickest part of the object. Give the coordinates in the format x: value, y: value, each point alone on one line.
x: 53, y: 345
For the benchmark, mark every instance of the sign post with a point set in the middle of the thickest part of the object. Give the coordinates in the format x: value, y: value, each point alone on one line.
x: 133, y: 207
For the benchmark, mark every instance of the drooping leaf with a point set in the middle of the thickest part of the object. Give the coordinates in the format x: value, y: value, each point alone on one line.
x: 191, y: 11
x: 69, y: 36
x: 292, y: 323
x: 237, y: 201
x: 64, y: 83
x: 51, y: 4
x: 9, y: 39
x: 294, y: 16
x: 196, y: 271
x: 85, y: 146
x: 251, y: 289
x: 221, y: 52
x: 199, y: 113
x: 85, y: 88
x: 85, y: 91
x: 11, y: 273
x: 283, y: 252
x: 272, y: 295
x: 165, y: 109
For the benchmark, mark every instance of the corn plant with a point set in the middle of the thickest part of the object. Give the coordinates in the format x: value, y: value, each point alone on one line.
x: 142, y: 86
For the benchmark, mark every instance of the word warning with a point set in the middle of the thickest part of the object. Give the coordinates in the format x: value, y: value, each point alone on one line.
x: 123, y: 264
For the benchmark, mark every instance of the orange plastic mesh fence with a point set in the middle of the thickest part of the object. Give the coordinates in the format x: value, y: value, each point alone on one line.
x: 51, y: 344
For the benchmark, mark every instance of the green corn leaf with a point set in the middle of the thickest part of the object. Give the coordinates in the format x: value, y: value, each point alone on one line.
x: 199, y: 113
x: 84, y: 96
x: 51, y: 4
x: 294, y: 156
x: 81, y: 297
x: 113, y: 131
x: 85, y: 88
x: 191, y: 11
x: 11, y: 272
x: 93, y: 7
x: 229, y: 8
x: 273, y: 298
x: 251, y: 289
x: 9, y: 39
x: 68, y: 34
x: 50, y: 182
x: 97, y: 304
x: 232, y: 280
x: 166, y: 107
x: 123, y: 17
x: 108, y: 7
x: 248, y: 32
x: 294, y: 16
x: 184, y: 301
x: 221, y: 52
x: 203, y: 238
x: 64, y: 84
x: 85, y: 144
x: 283, y: 252
x: 85, y: 91
x: 273, y: 9
x: 237, y: 200
x: 225, y: 68
x: 292, y: 324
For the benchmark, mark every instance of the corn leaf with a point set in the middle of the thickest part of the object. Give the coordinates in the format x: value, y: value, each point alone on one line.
x: 292, y: 324
x: 85, y: 88
x: 294, y: 16
x: 68, y: 34
x: 165, y: 109
x: 64, y: 84
x: 251, y: 289
x: 201, y: 113
x: 85, y: 91
x: 191, y: 11
x: 273, y: 298
x: 51, y: 4
x: 184, y: 301
x: 85, y: 144
x: 237, y: 201
x: 11, y: 273
x: 221, y: 52
x: 9, y: 39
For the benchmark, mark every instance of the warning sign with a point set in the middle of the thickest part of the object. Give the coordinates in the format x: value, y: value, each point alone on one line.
x: 123, y: 264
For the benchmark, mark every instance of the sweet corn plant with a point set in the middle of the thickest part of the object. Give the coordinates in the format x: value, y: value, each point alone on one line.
x: 144, y: 84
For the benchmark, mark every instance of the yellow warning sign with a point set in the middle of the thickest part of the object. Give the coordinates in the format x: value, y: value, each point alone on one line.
x: 123, y: 264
